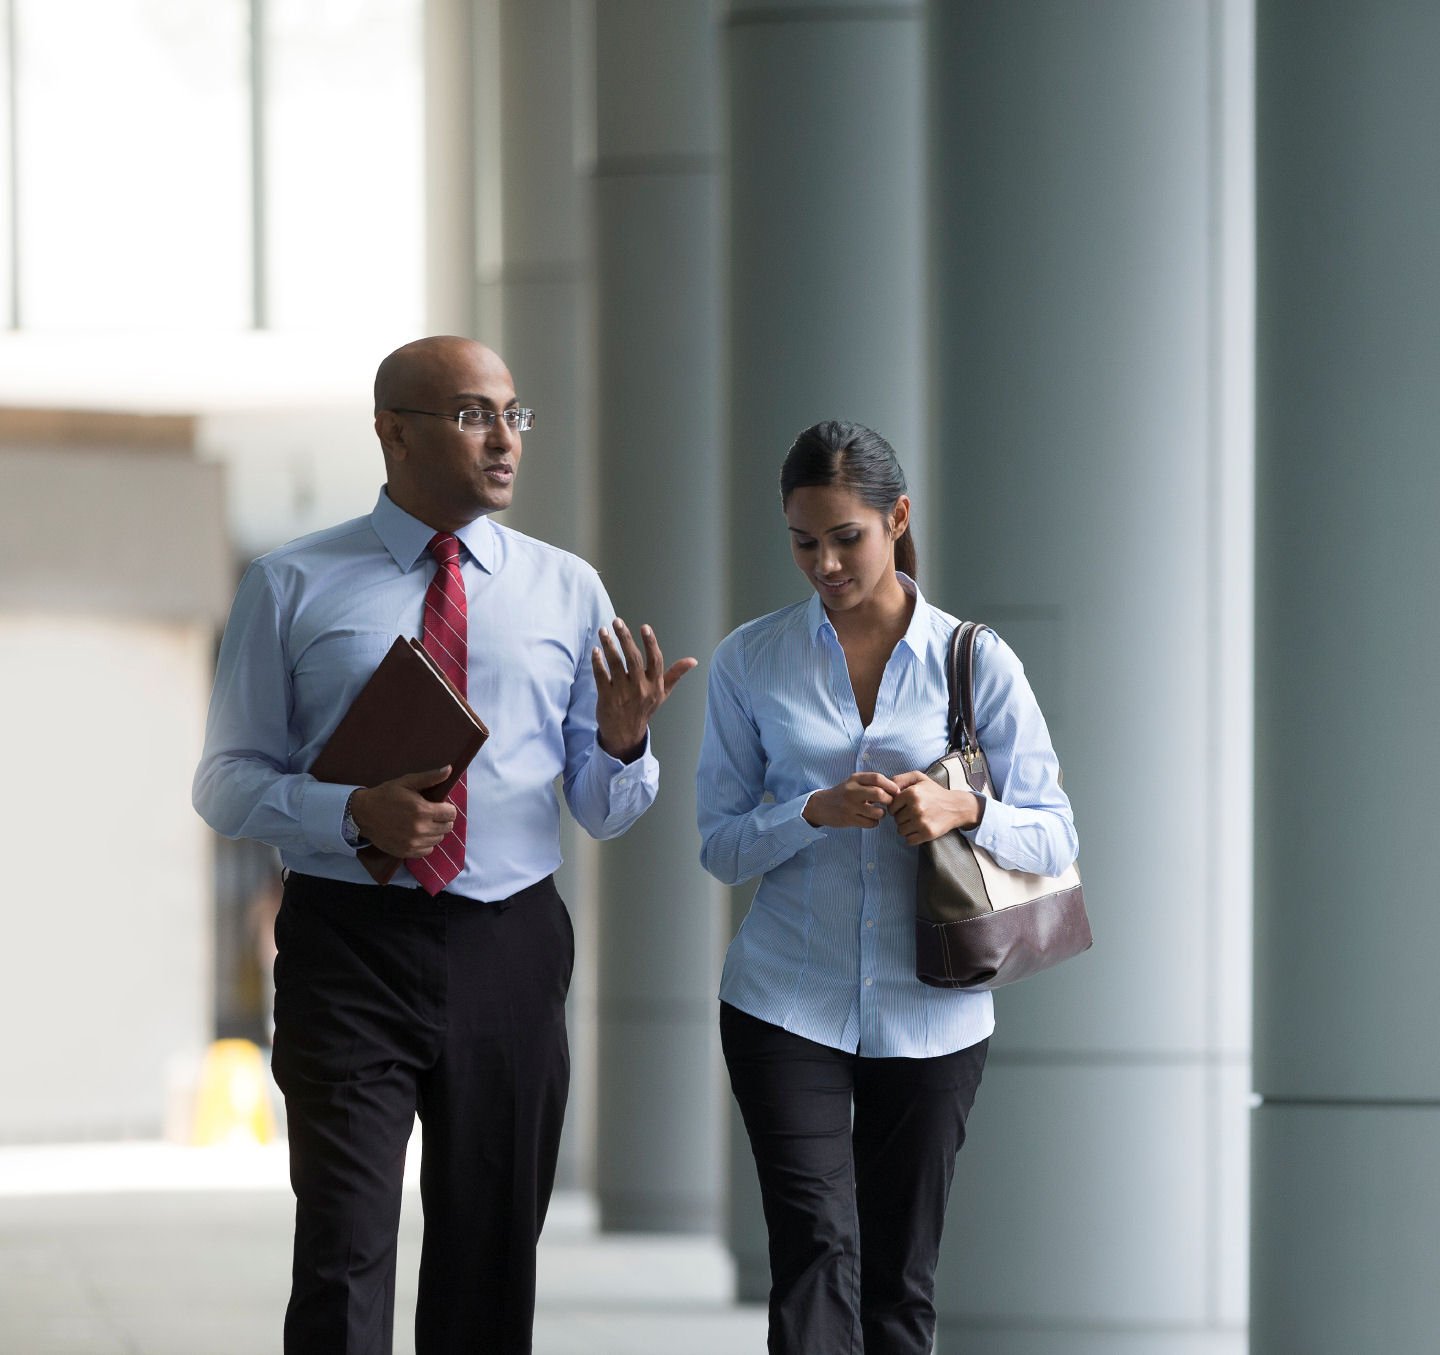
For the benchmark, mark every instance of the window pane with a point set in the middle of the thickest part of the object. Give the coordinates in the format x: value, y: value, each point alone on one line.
x: 7, y: 204
x: 133, y: 127
x: 344, y: 165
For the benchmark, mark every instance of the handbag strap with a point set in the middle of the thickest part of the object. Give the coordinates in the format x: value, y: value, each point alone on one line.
x: 960, y: 674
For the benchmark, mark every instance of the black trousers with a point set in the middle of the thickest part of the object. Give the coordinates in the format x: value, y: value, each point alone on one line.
x: 389, y: 1002
x: 855, y: 1157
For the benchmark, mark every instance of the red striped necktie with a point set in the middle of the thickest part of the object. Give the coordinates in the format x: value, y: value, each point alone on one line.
x: 445, y: 641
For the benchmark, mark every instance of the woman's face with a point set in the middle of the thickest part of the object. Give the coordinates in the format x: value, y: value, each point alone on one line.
x: 842, y: 545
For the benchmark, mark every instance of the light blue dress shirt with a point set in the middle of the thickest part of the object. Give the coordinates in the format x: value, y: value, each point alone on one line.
x: 310, y: 623
x: 827, y: 950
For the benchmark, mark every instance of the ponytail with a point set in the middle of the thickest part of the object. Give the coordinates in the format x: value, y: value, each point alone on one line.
x: 905, y: 560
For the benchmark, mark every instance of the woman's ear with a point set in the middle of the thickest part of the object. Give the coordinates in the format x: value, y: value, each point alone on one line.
x: 900, y: 517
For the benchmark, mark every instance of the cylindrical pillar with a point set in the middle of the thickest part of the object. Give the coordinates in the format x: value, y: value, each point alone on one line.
x: 532, y: 196
x: 826, y: 196
x: 658, y: 488
x: 1346, y: 1188
x: 1089, y: 252
x: 452, y: 165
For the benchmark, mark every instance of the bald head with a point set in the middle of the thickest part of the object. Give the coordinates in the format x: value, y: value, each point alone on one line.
x: 435, y: 470
x: 420, y: 370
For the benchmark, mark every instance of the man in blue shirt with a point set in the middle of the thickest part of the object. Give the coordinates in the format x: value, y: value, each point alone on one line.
x: 442, y: 992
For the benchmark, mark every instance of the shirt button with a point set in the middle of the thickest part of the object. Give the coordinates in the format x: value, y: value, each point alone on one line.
x: 869, y: 983
x: 869, y: 921
x: 869, y: 865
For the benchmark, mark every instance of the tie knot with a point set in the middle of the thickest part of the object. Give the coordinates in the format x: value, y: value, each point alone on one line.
x: 445, y: 547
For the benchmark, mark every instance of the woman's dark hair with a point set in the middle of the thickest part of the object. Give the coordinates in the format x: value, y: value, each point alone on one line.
x: 855, y: 458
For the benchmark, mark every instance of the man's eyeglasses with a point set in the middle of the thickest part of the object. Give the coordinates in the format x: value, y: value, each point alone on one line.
x: 481, y: 420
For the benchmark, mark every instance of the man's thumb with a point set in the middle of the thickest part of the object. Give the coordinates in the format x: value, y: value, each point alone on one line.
x: 424, y: 780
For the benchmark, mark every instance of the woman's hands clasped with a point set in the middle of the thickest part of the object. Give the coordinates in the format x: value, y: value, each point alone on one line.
x: 859, y: 801
x: 922, y: 808
x: 925, y: 810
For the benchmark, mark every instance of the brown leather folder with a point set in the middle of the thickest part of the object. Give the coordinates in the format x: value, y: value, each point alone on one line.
x: 407, y: 718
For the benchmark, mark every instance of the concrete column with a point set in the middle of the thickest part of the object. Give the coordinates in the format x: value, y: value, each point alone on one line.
x: 506, y: 245
x: 534, y: 305
x: 1347, y: 1134
x: 542, y: 270
x: 658, y: 476
x: 1091, y: 264
x: 452, y: 147
x: 827, y: 313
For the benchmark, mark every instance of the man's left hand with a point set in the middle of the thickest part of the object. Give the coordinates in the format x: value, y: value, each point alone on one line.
x: 630, y: 687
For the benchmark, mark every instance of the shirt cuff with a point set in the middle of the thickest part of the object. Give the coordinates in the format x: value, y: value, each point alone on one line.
x: 994, y: 830
x: 630, y: 786
x: 322, y: 816
x: 787, y: 822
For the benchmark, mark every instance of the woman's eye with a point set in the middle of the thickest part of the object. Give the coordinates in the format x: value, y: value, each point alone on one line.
x: 848, y: 540
x: 804, y: 545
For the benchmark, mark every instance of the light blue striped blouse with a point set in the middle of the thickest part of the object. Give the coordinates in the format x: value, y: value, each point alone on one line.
x: 827, y: 950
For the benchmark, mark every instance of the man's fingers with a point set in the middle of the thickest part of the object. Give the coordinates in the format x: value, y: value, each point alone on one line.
x: 634, y: 659
x: 907, y: 779
x: 654, y: 659
x: 676, y: 671
x: 614, y: 658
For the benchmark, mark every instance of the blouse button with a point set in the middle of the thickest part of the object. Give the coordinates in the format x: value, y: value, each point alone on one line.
x: 869, y: 865
x: 869, y: 983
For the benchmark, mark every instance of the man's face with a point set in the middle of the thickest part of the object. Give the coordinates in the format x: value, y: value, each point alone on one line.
x: 442, y: 474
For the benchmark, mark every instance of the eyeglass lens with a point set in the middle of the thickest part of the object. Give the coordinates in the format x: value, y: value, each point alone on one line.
x: 517, y: 420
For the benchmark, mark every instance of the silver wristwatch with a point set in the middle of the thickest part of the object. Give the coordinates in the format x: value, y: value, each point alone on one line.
x: 349, y: 829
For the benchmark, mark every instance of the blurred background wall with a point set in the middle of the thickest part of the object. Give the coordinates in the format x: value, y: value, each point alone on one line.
x: 1019, y: 237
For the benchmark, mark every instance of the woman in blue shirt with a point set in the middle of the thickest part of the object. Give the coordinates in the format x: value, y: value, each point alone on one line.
x: 855, y: 1079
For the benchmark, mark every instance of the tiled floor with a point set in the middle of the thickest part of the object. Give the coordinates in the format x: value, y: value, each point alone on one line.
x: 145, y: 1249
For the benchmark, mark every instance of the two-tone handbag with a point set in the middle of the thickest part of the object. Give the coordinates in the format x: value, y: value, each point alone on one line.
x: 977, y: 924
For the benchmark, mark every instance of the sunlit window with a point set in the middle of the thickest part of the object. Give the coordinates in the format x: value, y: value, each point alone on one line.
x: 174, y: 173
x: 7, y: 202
x: 344, y: 156
x: 132, y: 171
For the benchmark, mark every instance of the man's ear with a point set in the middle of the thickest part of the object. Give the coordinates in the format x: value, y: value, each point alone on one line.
x: 391, y: 432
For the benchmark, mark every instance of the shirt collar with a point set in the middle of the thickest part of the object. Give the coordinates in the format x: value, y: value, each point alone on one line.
x: 917, y: 637
x: 407, y: 538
